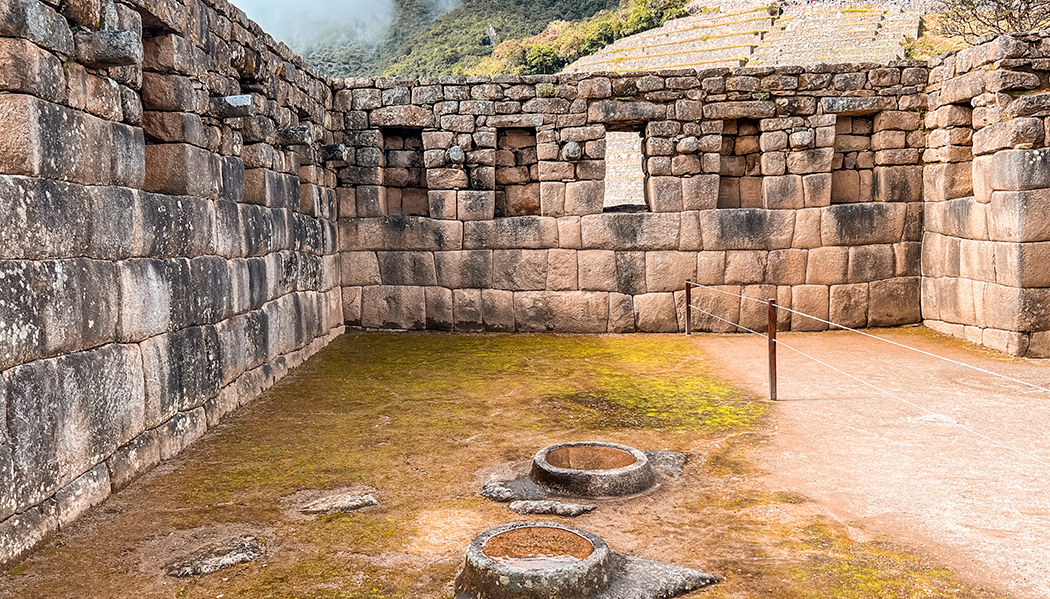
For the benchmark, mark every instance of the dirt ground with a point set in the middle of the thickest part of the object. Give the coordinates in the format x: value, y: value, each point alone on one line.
x: 885, y: 467
x: 424, y: 420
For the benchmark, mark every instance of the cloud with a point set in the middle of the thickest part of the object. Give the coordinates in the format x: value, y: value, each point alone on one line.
x: 299, y: 23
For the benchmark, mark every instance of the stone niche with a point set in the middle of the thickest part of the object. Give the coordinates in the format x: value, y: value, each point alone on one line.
x: 624, y: 171
x: 852, y: 169
x: 517, y: 173
x: 403, y: 173
x: 741, y: 165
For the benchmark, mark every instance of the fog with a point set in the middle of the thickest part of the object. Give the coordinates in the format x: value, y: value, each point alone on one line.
x: 301, y: 23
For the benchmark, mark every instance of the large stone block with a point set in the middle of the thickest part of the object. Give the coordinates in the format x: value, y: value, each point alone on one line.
x: 807, y: 301
x: 827, y: 266
x: 656, y: 313
x: 1020, y: 216
x: 497, y: 308
x: 351, y: 299
x: 407, y: 268
x: 940, y: 181
x: 583, y: 197
x: 597, y: 270
x: 849, y: 305
x: 621, y: 313
x: 1022, y: 264
x: 389, y: 307
x: 747, y: 229
x: 903, y: 184
x: 612, y: 111
x: 77, y: 304
x: 561, y: 270
x: 182, y: 371
x: 38, y: 22
x: 22, y: 532
x: 519, y: 270
x: 41, y: 139
x: 69, y: 413
x: 863, y: 224
x: 659, y: 231
x: 400, y: 233
x: 133, y: 458
x: 716, y: 309
x: 871, y: 263
x: 84, y: 493
x: 894, y: 302
x: 525, y: 232
x: 1019, y: 170
x: 181, y: 431
x: 182, y: 169
x: 467, y: 310
x: 786, y: 267
x: 668, y: 271
x: 144, y: 309
x: 402, y: 116
x: 1019, y: 132
x: 757, y: 109
x: 21, y: 326
x: 665, y: 194
x: 783, y: 192
x: 746, y: 267
x: 563, y: 312
x: 30, y: 70
x: 464, y: 269
x: 439, y: 308
x: 700, y: 192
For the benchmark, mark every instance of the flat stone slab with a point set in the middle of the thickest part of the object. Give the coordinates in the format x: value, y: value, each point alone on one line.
x: 551, y: 508
x: 218, y: 557
x: 339, y: 503
x: 638, y: 578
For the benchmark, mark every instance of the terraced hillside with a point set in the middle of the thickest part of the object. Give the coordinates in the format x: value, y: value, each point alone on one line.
x: 733, y: 34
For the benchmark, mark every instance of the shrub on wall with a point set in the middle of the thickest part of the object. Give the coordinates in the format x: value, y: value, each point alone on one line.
x: 971, y: 19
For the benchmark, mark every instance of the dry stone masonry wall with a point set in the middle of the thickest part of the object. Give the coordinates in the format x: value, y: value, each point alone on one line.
x: 803, y: 185
x: 167, y: 239
x: 987, y: 192
x: 187, y: 211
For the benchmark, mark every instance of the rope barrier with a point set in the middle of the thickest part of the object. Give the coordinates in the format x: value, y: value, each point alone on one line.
x: 876, y: 387
x: 862, y: 333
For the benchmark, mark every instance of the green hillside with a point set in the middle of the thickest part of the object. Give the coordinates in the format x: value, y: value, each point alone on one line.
x: 526, y: 35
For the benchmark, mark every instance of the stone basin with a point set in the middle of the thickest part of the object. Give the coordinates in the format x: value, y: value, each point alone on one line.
x: 593, y: 469
x: 535, y: 560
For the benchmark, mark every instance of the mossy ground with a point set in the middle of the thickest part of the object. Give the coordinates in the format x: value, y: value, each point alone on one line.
x: 417, y: 416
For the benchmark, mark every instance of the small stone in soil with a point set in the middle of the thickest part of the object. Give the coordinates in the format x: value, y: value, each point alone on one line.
x: 344, y: 502
x: 217, y: 557
x: 555, y: 508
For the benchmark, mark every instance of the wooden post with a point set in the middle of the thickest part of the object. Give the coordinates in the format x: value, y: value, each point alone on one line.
x: 688, y: 306
x: 772, y: 336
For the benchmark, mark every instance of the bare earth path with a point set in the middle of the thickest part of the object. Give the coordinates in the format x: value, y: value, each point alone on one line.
x: 890, y: 469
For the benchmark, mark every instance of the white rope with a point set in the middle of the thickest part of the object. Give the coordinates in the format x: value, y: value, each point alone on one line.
x: 877, y: 388
x: 901, y: 345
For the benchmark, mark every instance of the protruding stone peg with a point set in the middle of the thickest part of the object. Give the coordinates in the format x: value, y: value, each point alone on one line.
x: 572, y: 151
x: 104, y: 49
x: 303, y: 135
x: 229, y: 107
x: 456, y: 155
x: 334, y: 153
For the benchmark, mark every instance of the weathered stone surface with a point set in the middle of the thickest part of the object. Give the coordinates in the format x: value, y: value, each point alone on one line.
x: 400, y: 233
x: 1032, y: 105
x: 940, y: 182
x: 1020, y: 216
x: 390, y: 307
x: 519, y: 270
x: 863, y: 224
x: 103, y: 387
x: 526, y: 232
x: 668, y: 271
x: 905, y: 183
x: 849, y: 305
x: 498, y: 310
x: 182, y: 169
x: 561, y: 270
x: 85, y: 492
x: 218, y: 557
x: 38, y: 22
x: 1019, y: 170
x: 658, y: 231
x: 402, y: 116
x: 144, y: 309
x: 857, y: 106
x: 105, y: 49
x: 656, y: 313
x: 406, y: 268
x: 464, y: 269
x: 28, y: 69
x: 569, y: 311
x: 1015, y: 133
x: 757, y: 109
x: 894, y: 302
x: 24, y: 531
x: 747, y: 229
x: 611, y: 111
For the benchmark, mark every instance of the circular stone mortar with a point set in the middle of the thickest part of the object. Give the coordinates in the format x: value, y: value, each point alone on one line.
x: 520, y: 561
x: 592, y: 469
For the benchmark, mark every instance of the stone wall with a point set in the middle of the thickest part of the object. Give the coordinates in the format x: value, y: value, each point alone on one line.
x: 800, y: 185
x: 987, y: 195
x: 167, y: 252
